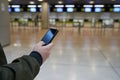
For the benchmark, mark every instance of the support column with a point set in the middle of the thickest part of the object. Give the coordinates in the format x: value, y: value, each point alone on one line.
x: 45, y: 15
x: 4, y: 23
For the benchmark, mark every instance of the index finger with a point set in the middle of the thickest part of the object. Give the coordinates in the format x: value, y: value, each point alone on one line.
x: 41, y: 43
x: 49, y: 46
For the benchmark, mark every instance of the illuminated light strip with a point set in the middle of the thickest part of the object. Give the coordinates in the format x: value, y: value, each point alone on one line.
x: 59, y: 5
x: 69, y: 5
x: 15, y: 5
x: 116, y: 5
x: 31, y: 5
x: 98, y: 5
x: 39, y: 6
x: 88, y: 5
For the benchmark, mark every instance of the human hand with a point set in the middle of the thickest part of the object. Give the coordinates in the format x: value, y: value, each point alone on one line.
x: 44, y: 51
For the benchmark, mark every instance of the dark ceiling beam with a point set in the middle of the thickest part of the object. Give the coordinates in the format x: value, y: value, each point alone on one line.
x: 66, y: 1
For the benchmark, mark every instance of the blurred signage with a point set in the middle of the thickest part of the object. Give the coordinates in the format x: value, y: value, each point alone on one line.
x: 65, y: 8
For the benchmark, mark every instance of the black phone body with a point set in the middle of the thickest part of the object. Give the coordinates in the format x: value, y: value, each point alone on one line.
x: 49, y: 36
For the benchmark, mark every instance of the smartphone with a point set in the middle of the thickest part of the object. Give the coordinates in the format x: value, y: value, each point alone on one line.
x: 49, y: 36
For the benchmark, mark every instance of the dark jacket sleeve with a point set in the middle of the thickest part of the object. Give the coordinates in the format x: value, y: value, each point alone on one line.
x: 23, y: 68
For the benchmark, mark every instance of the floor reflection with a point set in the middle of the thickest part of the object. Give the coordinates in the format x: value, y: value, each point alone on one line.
x: 78, y: 54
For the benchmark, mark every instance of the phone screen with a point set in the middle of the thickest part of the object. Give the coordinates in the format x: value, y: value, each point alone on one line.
x: 50, y: 34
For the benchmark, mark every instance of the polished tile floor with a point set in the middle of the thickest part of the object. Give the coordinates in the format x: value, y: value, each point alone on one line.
x: 78, y: 54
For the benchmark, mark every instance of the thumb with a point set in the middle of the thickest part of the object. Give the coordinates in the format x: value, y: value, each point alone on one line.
x: 42, y: 43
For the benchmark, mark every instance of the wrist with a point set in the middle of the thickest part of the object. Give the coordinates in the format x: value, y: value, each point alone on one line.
x: 37, y: 56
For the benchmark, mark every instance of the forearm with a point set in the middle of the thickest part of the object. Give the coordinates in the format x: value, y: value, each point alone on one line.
x: 24, y: 68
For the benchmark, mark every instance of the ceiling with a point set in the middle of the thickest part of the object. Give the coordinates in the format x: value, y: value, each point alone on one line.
x: 66, y: 1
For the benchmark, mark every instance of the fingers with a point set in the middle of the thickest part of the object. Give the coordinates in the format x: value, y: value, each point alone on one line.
x: 49, y: 46
x: 41, y: 43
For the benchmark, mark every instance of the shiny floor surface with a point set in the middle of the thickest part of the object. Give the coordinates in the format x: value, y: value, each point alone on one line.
x: 78, y: 54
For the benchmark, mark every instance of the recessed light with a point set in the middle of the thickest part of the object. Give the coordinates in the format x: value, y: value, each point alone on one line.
x: 40, y: 0
x: 60, y: 2
x: 91, y: 2
x: 112, y: 0
x: 31, y: 2
x: 9, y: 0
